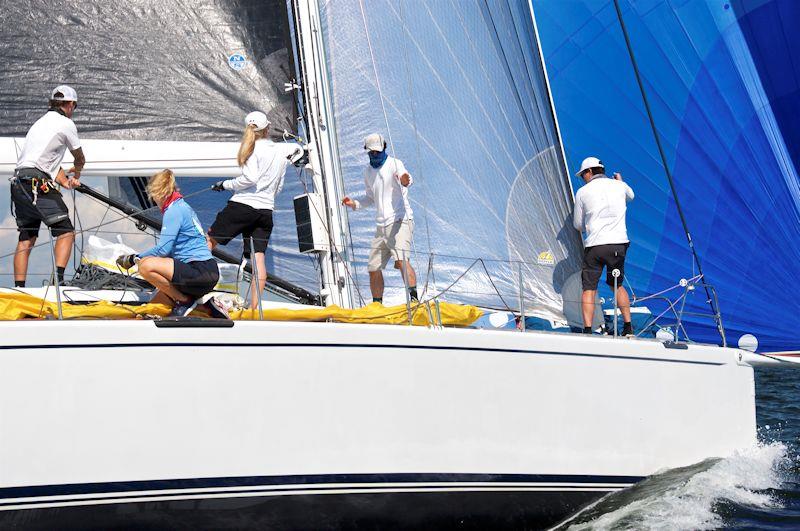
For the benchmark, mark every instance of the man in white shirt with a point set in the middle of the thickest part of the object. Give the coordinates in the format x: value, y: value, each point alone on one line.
x: 600, y: 207
x: 386, y: 181
x: 34, y: 196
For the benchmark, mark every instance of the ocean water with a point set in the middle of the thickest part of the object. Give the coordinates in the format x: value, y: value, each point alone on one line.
x: 758, y: 488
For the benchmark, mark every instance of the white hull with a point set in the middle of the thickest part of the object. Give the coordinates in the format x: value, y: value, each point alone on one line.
x: 265, y: 407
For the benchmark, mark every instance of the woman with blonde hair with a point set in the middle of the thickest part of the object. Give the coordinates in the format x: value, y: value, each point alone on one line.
x: 180, y: 266
x: 249, y: 211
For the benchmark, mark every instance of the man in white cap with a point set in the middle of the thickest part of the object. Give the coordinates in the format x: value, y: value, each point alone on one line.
x: 249, y: 210
x: 34, y: 196
x: 600, y: 207
x: 387, y: 181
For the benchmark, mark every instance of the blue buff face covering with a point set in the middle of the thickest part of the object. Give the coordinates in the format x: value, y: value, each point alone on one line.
x: 376, y: 161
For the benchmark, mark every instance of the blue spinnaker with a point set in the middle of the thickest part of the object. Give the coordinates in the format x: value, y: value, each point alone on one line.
x: 722, y: 79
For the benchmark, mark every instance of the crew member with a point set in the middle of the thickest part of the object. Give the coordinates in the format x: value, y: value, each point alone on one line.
x: 34, y: 196
x: 249, y: 210
x: 386, y: 181
x: 600, y: 207
x: 180, y: 267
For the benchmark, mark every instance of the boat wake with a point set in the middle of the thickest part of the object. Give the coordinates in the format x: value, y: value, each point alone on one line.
x: 709, y: 495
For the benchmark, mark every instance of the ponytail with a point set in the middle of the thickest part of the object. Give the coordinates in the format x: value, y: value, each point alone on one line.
x: 248, y: 144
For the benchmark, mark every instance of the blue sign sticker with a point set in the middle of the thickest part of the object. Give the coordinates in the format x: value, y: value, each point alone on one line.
x: 237, y: 61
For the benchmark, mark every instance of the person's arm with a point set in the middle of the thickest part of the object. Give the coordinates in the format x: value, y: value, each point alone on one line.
x: 401, y: 174
x: 628, y: 193
x: 628, y: 190
x: 74, y: 146
x: 362, y: 202
x: 577, y: 218
x: 169, y: 232
x: 62, y: 179
x: 248, y: 178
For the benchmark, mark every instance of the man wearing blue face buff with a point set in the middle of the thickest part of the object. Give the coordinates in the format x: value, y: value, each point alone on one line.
x: 387, y: 181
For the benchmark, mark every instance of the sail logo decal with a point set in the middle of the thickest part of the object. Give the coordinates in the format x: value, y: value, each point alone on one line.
x: 546, y: 258
x: 237, y: 61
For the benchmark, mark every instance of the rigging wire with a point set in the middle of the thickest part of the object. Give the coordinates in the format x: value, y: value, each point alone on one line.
x: 429, y: 271
x: 667, y: 171
x: 386, y: 118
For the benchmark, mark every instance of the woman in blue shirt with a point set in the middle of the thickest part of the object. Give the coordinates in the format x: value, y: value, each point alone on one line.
x: 180, y: 267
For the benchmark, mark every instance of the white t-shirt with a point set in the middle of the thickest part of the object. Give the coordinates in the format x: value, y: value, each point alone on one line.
x: 600, y: 207
x: 47, y: 141
x: 262, y: 174
x: 386, y: 193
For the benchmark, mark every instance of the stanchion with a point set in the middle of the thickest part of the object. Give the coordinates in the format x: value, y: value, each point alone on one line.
x: 521, y: 299
x: 615, y: 273
x: 404, y: 256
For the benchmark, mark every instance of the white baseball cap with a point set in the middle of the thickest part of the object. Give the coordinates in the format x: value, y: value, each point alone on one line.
x: 64, y: 93
x: 590, y: 162
x: 374, y: 142
x: 258, y: 119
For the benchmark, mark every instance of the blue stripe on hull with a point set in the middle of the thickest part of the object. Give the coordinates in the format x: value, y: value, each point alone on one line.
x: 436, y: 509
x: 9, y: 493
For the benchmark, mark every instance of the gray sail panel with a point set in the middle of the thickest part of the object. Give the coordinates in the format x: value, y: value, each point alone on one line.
x: 459, y: 91
x: 152, y: 70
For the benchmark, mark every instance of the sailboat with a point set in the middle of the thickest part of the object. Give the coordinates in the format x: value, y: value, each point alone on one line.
x: 217, y: 424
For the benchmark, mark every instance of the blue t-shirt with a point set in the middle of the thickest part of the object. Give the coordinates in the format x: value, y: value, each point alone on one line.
x: 182, y: 236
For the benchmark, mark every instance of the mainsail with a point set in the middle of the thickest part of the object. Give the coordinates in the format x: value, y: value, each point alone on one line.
x: 166, y: 70
x: 724, y: 86
x: 459, y: 92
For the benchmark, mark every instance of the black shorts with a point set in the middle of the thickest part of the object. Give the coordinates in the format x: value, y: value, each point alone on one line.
x: 612, y: 256
x: 238, y: 218
x: 49, y: 207
x: 195, y: 278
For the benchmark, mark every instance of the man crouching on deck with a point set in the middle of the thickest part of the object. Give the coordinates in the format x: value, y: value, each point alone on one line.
x: 386, y: 182
x: 600, y: 207
x: 180, y: 267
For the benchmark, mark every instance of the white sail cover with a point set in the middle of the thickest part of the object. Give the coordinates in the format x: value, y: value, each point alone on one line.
x: 459, y: 92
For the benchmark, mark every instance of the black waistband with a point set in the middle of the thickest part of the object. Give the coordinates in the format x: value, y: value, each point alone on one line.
x: 30, y: 173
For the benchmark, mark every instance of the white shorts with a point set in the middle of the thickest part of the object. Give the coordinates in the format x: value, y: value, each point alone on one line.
x: 391, y: 241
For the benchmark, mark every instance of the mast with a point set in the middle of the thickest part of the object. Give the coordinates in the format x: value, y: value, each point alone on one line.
x: 317, y: 112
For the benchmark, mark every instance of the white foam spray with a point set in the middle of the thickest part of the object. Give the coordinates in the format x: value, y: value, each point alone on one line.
x: 689, y: 503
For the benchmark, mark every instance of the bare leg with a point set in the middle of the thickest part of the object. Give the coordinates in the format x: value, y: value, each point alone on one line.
x: 257, y: 290
x: 64, y: 248
x: 411, y: 281
x: 587, y: 305
x: 624, y: 304
x: 376, y: 284
x: 158, y: 271
x: 21, y: 259
x: 161, y: 298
